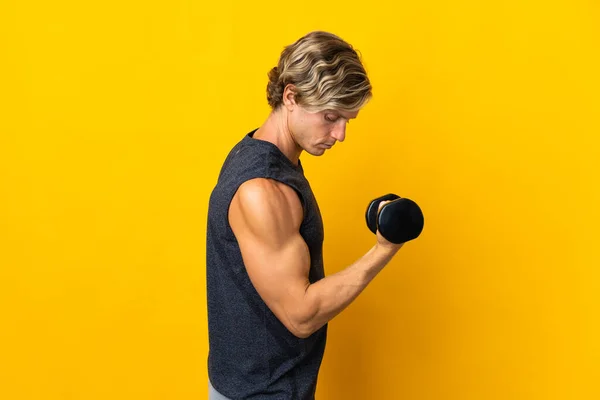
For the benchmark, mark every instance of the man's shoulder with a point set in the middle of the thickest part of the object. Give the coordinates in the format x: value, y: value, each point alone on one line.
x: 265, y: 192
x: 264, y: 198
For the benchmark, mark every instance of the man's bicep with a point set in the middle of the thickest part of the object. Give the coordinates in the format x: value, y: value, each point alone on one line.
x: 280, y: 275
x: 266, y: 225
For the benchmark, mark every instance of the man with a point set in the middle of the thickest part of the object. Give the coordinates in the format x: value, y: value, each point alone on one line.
x: 269, y: 301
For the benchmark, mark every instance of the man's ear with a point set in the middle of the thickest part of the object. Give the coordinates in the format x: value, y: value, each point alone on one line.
x: 289, y: 96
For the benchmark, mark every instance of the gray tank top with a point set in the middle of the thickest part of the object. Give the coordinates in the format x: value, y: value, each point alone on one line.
x: 252, y: 355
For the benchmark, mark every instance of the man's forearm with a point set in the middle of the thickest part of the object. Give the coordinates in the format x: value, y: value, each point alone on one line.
x: 329, y: 296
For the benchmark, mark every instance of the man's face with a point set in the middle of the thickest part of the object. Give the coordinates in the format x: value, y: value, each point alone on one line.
x: 315, y: 132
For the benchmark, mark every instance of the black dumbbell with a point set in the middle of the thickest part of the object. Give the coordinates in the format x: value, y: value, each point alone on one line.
x: 398, y: 221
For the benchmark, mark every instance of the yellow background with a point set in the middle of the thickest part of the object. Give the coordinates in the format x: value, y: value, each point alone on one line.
x: 115, y: 117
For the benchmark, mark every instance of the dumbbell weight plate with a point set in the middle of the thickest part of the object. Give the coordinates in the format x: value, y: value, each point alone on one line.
x: 400, y: 221
x: 373, y: 208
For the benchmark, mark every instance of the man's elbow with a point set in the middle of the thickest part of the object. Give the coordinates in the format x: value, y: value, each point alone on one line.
x: 301, y: 331
x: 303, y: 324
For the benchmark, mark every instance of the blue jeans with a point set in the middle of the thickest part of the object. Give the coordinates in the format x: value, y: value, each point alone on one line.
x: 213, y: 394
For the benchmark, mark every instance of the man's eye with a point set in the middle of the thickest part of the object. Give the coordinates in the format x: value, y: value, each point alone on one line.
x: 330, y: 119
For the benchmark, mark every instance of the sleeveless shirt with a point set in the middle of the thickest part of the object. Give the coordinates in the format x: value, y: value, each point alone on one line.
x: 252, y: 355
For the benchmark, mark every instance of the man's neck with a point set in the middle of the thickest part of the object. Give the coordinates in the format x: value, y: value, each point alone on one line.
x: 276, y: 131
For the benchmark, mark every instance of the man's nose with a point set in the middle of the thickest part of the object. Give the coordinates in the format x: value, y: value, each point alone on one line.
x: 339, y: 132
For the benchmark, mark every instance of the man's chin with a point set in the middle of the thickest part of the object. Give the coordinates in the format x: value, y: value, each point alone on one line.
x: 317, y: 151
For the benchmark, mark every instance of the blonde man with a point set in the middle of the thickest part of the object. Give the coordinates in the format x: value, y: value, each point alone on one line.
x: 269, y: 301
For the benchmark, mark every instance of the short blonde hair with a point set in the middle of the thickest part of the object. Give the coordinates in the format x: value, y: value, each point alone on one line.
x: 326, y: 71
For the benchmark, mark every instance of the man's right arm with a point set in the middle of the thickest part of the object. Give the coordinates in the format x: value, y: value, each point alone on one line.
x: 265, y: 216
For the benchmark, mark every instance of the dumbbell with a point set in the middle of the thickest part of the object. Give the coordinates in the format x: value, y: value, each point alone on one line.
x: 398, y: 221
